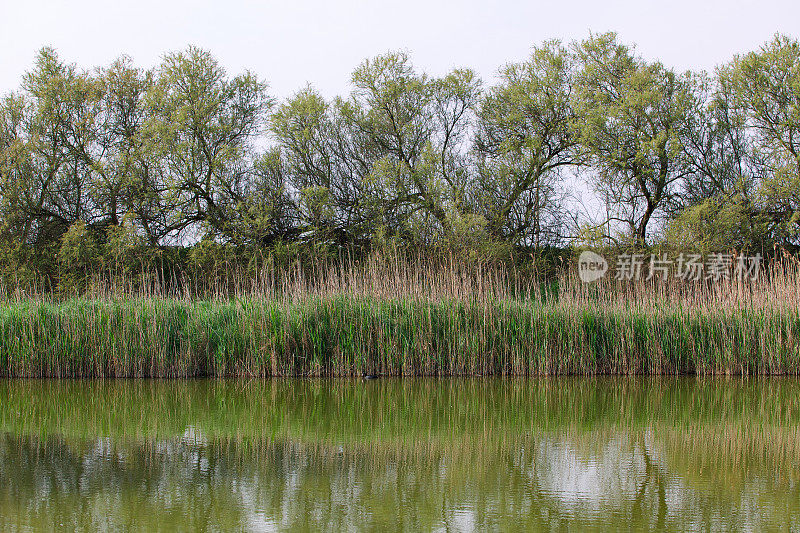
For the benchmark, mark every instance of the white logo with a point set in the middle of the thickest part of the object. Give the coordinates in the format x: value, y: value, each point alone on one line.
x: 591, y: 266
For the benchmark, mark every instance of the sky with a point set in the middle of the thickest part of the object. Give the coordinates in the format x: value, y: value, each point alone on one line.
x: 297, y: 42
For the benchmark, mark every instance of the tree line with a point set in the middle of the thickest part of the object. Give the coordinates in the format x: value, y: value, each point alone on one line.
x: 116, y: 163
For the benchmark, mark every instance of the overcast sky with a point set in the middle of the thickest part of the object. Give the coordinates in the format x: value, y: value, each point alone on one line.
x: 294, y: 42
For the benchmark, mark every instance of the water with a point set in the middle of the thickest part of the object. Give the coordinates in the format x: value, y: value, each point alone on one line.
x: 421, y: 454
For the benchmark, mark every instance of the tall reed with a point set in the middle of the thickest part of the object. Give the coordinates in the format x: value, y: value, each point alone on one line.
x: 393, y: 316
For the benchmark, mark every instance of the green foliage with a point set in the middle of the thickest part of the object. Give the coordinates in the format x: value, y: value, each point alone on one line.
x: 714, y: 225
x: 183, y: 167
x: 78, y: 256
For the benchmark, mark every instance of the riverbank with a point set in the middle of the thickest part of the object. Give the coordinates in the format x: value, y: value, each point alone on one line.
x: 360, y: 335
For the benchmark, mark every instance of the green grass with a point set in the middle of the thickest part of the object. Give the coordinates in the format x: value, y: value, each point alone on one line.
x: 355, y: 335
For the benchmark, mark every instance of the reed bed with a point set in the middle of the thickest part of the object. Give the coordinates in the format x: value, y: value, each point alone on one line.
x: 391, y: 316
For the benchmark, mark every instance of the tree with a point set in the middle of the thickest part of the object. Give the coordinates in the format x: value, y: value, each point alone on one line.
x: 327, y: 170
x: 393, y: 155
x: 15, y: 170
x: 122, y: 185
x: 44, y: 183
x: 766, y: 87
x: 412, y: 126
x: 72, y: 143
x: 262, y: 211
x: 200, y: 141
x: 630, y: 118
x: 524, y: 144
x: 718, y: 207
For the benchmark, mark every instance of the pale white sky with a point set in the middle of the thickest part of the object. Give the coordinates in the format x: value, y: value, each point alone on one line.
x: 294, y: 42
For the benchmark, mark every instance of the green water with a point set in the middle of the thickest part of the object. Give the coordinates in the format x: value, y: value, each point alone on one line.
x: 420, y: 454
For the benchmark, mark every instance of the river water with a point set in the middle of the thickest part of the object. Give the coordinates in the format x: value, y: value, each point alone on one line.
x: 392, y: 454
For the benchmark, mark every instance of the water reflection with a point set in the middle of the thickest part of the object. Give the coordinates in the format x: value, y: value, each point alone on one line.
x: 414, y: 455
